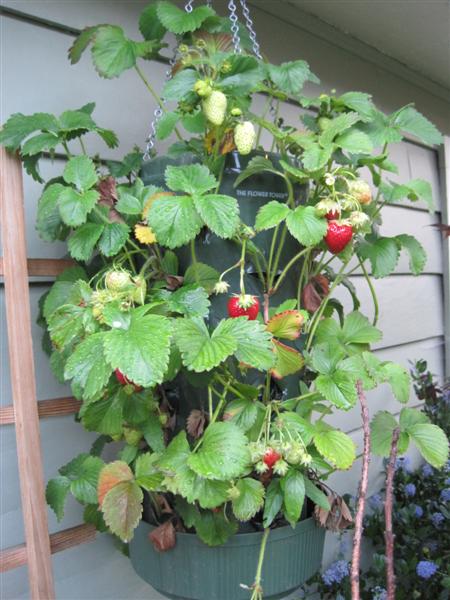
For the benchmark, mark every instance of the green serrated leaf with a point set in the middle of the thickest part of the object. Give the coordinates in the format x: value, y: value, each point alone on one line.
x: 106, y: 415
x: 191, y: 179
x: 49, y: 223
x: 83, y: 473
x: 82, y: 243
x: 336, y: 447
x: 166, y: 125
x: 214, y: 528
x: 40, y: 143
x: 149, y: 24
x: 209, y: 493
x: 382, y: 252
x: 179, y: 21
x: 412, y: 121
x: 316, y: 495
x: 399, y: 380
x: 305, y: 226
x: 270, y: 215
x: 417, y: 254
x: 354, y: 141
x: 190, y: 301
x: 174, y: 220
x: 287, y: 360
x: 75, y: 206
x: 249, y: 500
x: 254, y: 345
x: 338, y: 388
x: 219, y: 212
x: 81, y: 43
x: 293, y: 487
x: 58, y: 295
x: 316, y: 157
x: 80, y: 171
x: 112, y: 51
x: 257, y: 164
x: 201, y: 351
x: 337, y: 126
x: 88, y: 366
x: 203, y: 275
x: 223, y: 454
x: 431, y: 442
x: 65, y: 324
x: 122, y: 509
x: 381, y: 430
x: 273, y: 502
x: 359, y: 102
x: 18, y: 127
x: 56, y: 495
x: 141, y: 352
x: 113, y: 238
x: 290, y: 77
x: 181, y: 84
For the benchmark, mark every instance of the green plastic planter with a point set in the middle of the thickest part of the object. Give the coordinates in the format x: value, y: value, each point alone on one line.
x: 194, y: 571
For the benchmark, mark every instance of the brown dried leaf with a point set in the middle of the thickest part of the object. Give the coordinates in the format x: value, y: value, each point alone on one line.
x: 195, y: 423
x: 163, y: 537
x: 174, y: 281
x: 445, y: 229
x: 338, y: 517
x: 107, y: 190
x: 314, y: 292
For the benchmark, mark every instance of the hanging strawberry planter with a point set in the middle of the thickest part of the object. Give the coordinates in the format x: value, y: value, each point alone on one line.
x: 200, y: 327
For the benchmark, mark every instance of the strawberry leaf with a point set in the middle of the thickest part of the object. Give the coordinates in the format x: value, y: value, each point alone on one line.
x: 286, y: 325
x: 305, y: 226
x: 56, y: 495
x: 382, y: 252
x: 49, y: 223
x: 140, y: 352
x: 83, y: 473
x: 88, y: 366
x: 112, y: 51
x: 336, y: 447
x: 179, y: 21
x: 201, y: 351
x: 223, y: 453
x: 105, y: 415
x: 250, y: 499
x: 220, y: 213
x: 82, y: 243
x: 191, y: 179
x: 174, y: 220
x: 293, y: 487
x: 412, y: 121
x: 254, y: 345
x: 288, y: 360
x: 113, y: 238
x: 339, y: 388
x: 381, y: 429
x: 75, y: 206
x: 273, y: 502
x: 270, y: 215
x: 122, y: 509
x: 215, y: 528
x: 290, y: 77
x: 417, y: 255
x: 431, y: 442
x: 111, y: 475
x: 80, y: 171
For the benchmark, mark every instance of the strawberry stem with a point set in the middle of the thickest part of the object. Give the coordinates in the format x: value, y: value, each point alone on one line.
x: 257, y: 589
x: 242, y: 272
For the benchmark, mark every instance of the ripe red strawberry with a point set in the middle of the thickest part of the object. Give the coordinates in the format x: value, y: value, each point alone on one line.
x: 243, y: 305
x: 123, y: 380
x: 332, y: 215
x: 271, y: 456
x: 338, y: 236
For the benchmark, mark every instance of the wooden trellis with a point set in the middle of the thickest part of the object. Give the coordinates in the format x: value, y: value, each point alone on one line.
x: 26, y: 411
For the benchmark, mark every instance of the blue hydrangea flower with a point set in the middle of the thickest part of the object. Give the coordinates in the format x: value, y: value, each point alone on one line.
x: 418, y: 511
x: 445, y: 495
x: 379, y: 593
x: 437, y: 519
x: 376, y: 502
x: 336, y: 572
x: 447, y: 467
x: 447, y: 481
x: 427, y: 470
x: 403, y: 463
x: 410, y: 489
x: 426, y: 569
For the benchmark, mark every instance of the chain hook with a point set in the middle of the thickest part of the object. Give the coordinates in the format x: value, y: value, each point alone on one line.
x: 250, y: 28
x: 188, y: 6
x: 234, y: 27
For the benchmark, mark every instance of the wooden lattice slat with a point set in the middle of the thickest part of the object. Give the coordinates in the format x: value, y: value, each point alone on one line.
x: 14, y: 557
x: 44, y: 267
x: 17, y: 300
x: 56, y: 407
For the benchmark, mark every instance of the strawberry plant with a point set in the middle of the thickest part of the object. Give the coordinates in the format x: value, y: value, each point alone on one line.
x: 199, y: 325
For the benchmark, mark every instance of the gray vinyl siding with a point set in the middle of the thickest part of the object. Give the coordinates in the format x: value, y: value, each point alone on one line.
x: 35, y: 75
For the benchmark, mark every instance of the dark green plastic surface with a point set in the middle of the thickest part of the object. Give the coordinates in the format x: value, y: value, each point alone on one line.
x: 194, y: 571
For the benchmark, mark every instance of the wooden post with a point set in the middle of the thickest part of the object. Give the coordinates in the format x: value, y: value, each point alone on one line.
x: 22, y: 378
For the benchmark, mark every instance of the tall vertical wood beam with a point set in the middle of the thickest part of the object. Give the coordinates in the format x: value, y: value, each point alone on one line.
x: 23, y: 379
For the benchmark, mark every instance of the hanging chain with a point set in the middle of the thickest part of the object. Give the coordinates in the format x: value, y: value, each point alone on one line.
x: 159, y: 111
x: 234, y: 27
x: 251, y: 30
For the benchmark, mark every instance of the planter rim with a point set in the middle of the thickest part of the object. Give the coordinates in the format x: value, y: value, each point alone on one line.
x: 248, y: 539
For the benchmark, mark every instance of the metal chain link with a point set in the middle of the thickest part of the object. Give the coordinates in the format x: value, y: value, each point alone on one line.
x: 234, y: 27
x: 250, y: 28
x: 188, y: 6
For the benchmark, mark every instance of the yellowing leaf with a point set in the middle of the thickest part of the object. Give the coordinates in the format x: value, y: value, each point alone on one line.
x: 288, y: 360
x: 111, y: 475
x: 286, y: 325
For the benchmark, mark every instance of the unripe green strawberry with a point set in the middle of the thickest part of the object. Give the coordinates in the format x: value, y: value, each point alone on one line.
x: 233, y: 493
x: 202, y: 88
x: 244, y: 137
x: 215, y: 107
x: 324, y: 123
x: 280, y: 468
x: 294, y: 453
x: 117, y: 280
x: 236, y: 112
x: 140, y: 289
x: 359, y: 220
x: 360, y: 190
x: 163, y: 418
x: 132, y: 436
